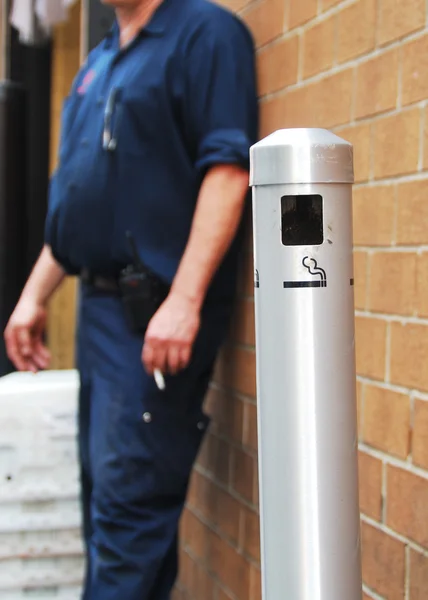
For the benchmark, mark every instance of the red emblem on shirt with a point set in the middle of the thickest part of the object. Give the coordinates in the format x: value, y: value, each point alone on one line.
x: 86, y: 82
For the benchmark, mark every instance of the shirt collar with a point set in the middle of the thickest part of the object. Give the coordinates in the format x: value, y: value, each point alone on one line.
x: 157, y: 26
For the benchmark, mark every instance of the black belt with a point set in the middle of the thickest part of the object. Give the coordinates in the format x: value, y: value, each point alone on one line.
x: 99, y: 282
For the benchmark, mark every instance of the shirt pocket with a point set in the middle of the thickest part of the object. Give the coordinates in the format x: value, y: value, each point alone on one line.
x: 135, y: 123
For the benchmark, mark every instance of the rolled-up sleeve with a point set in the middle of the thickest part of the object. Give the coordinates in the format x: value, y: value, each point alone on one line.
x: 220, y: 102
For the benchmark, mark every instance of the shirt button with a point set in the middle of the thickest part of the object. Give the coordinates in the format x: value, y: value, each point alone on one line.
x: 100, y: 101
x: 147, y: 417
x: 201, y: 425
x: 85, y: 142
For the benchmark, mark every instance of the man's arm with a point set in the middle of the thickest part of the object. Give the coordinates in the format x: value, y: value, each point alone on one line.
x: 171, y: 333
x: 45, y: 278
x: 24, y: 332
x: 220, y: 113
x: 215, y: 223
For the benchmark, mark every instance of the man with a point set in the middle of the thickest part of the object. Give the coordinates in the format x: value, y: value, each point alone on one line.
x: 155, y: 141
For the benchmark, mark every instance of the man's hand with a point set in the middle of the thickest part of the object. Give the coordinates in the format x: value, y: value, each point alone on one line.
x: 24, y: 337
x: 171, y: 334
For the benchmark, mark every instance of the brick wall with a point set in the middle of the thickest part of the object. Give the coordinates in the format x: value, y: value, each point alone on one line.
x: 358, y: 67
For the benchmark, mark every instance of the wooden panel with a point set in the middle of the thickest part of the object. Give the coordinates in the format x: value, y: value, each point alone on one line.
x: 66, y: 62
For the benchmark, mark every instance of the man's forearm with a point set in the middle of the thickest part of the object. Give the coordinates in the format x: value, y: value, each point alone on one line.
x: 217, y: 217
x: 44, y: 279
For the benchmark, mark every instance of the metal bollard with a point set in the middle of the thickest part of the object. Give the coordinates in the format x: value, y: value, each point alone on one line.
x: 306, y: 382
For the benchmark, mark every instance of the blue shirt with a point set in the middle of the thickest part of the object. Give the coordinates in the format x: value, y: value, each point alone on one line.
x: 140, y: 128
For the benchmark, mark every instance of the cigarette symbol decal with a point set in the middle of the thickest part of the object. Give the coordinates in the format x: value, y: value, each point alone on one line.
x: 312, y: 266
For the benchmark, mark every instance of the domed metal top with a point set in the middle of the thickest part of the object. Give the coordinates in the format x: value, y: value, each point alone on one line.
x: 301, y: 156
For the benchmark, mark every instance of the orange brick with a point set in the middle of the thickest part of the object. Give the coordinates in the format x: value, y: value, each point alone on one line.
x: 425, y: 151
x: 422, y: 285
x: 373, y: 215
x: 420, y: 434
x: 383, y: 563
x: 398, y: 18
x: 393, y: 282
x: 230, y: 567
x: 387, y: 420
x: 271, y: 115
x: 215, y: 458
x: 333, y: 106
x: 215, y: 505
x: 243, y: 324
x: 318, y: 47
x: 251, y: 533
x: 195, y: 579
x: 418, y: 576
x: 225, y: 514
x: 360, y: 276
x: 414, y: 66
x: 360, y: 137
x: 256, y: 584
x: 326, y: 4
x: 277, y: 65
x: 370, y: 347
x: 296, y: 107
x: 360, y: 392
x: 409, y: 351
x: 370, y: 479
x: 301, y: 12
x: 236, y: 369
x: 266, y: 20
x: 407, y: 504
x: 412, y: 213
x: 227, y: 412
x: 250, y: 433
x: 199, y: 496
x: 223, y: 595
x: 354, y: 40
x: 194, y: 535
x: 377, y: 85
x: 243, y: 474
x: 234, y: 5
x: 256, y: 486
x: 396, y: 144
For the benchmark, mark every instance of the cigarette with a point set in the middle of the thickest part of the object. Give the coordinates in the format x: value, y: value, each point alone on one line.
x: 159, y: 379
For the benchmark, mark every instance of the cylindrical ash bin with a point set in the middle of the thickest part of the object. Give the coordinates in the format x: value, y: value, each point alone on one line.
x: 304, y: 306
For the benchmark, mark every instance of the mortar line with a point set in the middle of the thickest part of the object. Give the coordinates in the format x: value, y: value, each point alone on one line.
x: 340, y: 67
x: 394, y: 462
x: 409, y: 249
x: 402, y: 319
x: 407, y: 573
x: 393, y: 387
x: 386, y: 181
x: 372, y: 594
x: 393, y: 534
